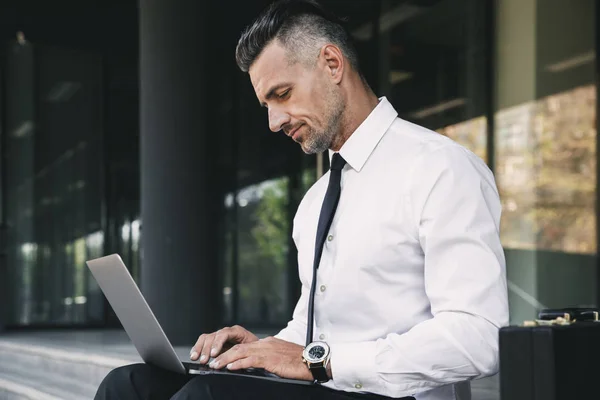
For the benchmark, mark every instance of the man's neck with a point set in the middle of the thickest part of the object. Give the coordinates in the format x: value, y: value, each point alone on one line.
x: 357, y: 110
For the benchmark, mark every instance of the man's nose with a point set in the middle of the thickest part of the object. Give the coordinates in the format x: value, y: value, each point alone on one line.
x: 277, y: 119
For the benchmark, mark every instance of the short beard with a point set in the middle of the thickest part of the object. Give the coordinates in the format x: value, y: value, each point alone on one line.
x: 320, y: 141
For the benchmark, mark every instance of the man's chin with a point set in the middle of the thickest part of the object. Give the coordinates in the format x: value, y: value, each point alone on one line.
x: 307, y: 149
x: 312, y: 146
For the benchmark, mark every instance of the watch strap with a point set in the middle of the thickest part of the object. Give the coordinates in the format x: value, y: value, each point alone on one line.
x: 319, y: 373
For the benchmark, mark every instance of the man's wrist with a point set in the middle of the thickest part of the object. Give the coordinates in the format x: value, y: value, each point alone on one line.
x: 329, y: 373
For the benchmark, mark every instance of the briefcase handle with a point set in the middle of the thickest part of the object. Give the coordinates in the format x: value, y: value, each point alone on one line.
x: 570, y: 315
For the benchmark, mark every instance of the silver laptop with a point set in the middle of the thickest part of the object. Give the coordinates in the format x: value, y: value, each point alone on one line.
x: 143, y: 328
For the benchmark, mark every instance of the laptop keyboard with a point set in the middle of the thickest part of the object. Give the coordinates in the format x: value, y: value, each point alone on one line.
x: 202, y: 369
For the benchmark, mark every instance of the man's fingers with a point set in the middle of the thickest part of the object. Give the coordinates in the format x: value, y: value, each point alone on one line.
x: 197, y: 348
x: 213, y: 344
x: 225, y: 337
x: 201, y: 349
x: 238, y: 333
x: 222, y: 337
x: 248, y: 362
x: 205, y: 351
x: 237, y: 352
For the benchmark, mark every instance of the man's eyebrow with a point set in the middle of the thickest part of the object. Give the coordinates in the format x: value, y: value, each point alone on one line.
x: 272, y: 91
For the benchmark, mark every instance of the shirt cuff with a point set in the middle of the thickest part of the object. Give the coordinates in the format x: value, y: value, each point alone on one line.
x: 353, y: 367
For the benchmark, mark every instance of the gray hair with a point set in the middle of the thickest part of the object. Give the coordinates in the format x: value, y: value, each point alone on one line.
x: 302, y: 27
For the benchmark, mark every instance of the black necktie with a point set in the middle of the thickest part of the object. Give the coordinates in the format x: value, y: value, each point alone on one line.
x: 332, y: 196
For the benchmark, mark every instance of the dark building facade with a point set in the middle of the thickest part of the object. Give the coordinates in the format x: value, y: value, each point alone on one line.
x: 127, y: 128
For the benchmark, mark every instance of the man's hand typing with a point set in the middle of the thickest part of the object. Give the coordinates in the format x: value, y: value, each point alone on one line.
x: 212, y: 344
x: 273, y: 355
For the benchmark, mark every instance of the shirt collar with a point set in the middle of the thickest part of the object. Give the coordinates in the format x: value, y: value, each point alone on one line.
x: 362, y: 142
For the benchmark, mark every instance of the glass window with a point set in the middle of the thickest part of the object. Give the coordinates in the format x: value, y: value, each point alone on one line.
x: 20, y: 122
x: 472, y: 134
x: 54, y: 163
x: 545, y: 152
x: 433, y: 66
x: 546, y: 170
x: 260, y: 283
x: 263, y: 245
x: 260, y: 277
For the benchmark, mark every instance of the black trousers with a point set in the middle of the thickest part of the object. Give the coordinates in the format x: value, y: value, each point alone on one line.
x: 145, y: 382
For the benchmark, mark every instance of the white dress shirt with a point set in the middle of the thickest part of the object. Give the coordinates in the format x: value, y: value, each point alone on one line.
x: 411, y: 288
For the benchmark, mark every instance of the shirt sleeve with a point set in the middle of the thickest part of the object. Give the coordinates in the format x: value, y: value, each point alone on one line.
x: 456, y: 208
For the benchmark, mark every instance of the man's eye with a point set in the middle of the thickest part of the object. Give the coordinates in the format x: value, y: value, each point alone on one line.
x: 284, y: 94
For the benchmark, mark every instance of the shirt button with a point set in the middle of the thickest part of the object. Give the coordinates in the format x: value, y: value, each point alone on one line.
x: 358, y: 385
x: 323, y: 288
x: 322, y: 336
x: 330, y: 238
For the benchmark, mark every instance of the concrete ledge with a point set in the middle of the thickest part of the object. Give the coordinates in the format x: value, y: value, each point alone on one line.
x: 11, y: 391
x: 64, y: 355
x: 59, y: 366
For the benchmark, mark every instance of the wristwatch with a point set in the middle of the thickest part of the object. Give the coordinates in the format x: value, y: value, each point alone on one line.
x: 316, y: 357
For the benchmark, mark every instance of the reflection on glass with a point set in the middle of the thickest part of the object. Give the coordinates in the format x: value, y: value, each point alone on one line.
x: 263, y: 247
x: 67, y: 290
x: 432, y: 66
x: 472, y: 134
x: 53, y: 184
x: 80, y: 272
x: 95, y: 299
x: 228, y: 230
x: 130, y: 245
x: 256, y: 242
x: 546, y: 172
x: 309, y: 177
x: 28, y: 257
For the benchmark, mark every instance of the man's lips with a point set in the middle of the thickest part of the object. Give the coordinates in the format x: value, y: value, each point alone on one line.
x: 293, y: 133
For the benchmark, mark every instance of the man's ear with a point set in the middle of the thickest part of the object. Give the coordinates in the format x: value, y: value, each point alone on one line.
x: 334, y: 61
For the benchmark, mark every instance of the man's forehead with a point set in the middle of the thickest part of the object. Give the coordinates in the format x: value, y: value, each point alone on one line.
x: 270, y: 66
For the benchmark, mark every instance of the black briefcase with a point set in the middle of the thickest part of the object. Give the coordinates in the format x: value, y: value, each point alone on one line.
x: 556, y: 357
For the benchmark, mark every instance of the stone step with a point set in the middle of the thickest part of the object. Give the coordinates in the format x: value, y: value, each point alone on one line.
x: 17, y: 383
x: 62, y: 365
x: 11, y: 390
x: 42, y: 373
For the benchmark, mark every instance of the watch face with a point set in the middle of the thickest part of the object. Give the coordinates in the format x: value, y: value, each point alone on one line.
x: 316, y: 352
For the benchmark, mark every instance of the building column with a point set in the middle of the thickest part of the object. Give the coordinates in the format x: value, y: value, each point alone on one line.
x: 515, y: 93
x: 179, y: 270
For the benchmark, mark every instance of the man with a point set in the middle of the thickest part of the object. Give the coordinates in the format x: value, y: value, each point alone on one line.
x: 408, y: 289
